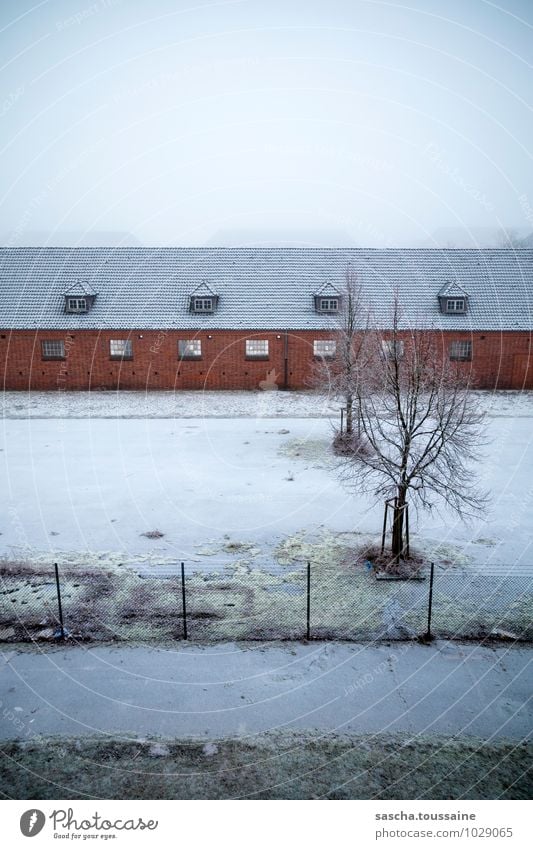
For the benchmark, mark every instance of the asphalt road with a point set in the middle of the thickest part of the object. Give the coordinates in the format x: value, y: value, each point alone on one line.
x: 234, y: 690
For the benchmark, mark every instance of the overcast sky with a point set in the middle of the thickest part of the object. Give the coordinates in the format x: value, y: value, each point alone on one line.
x: 176, y: 120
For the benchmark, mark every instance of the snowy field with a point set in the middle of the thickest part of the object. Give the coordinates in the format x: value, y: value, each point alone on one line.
x: 255, y: 488
x: 169, y: 405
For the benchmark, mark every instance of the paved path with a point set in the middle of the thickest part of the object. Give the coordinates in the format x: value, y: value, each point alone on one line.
x: 226, y: 690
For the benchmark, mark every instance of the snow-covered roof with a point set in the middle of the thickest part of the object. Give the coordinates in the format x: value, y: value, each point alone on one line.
x: 328, y: 290
x: 204, y: 290
x: 80, y: 288
x: 451, y: 289
x: 260, y: 288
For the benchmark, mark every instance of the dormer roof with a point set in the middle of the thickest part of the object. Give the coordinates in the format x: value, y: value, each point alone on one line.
x: 80, y: 289
x: 452, y: 289
x: 328, y: 290
x: 204, y: 290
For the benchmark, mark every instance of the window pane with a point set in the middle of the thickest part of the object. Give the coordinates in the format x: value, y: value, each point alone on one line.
x: 203, y: 304
x: 77, y: 304
x: 190, y: 348
x: 455, y: 305
x: 329, y: 304
x: 392, y: 349
x: 121, y: 348
x: 53, y: 348
x: 461, y: 350
x: 324, y: 347
x: 257, y: 347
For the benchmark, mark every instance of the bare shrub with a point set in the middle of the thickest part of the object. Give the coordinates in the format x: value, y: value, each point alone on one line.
x: 347, y: 444
x: 386, y: 562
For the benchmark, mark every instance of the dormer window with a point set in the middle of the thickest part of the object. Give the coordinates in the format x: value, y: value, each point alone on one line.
x: 328, y: 305
x: 455, y: 305
x: 453, y: 300
x: 79, y: 298
x: 203, y: 299
x: 203, y: 305
x: 76, y: 304
x: 327, y: 299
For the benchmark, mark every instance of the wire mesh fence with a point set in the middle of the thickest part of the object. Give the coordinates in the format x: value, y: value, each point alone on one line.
x: 301, y: 601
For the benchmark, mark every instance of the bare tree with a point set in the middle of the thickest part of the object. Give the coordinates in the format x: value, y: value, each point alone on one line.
x: 421, y: 428
x: 338, y: 373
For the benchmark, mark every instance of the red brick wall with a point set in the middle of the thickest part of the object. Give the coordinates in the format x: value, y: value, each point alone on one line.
x: 500, y: 360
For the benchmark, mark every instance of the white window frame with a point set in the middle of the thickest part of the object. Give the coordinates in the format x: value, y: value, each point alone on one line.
x: 392, y: 348
x: 203, y: 304
x: 77, y: 304
x: 325, y: 348
x: 461, y: 350
x: 121, y: 349
x: 257, y: 349
x: 328, y: 304
x: 53, y: 349
x: 190, y: 349
x: 455, y: 305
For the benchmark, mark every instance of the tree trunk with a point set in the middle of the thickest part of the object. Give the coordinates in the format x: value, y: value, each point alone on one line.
x: 349, y: 414
x: 398, y: 544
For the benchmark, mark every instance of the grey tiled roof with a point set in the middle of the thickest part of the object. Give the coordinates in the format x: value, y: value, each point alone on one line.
x: 259, y: 288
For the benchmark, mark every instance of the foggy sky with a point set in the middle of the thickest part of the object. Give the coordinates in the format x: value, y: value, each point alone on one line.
x: 173, y: 121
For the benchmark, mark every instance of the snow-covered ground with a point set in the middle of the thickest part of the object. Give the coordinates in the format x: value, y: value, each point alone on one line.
x: 200, y: 404
x: 245, y: 489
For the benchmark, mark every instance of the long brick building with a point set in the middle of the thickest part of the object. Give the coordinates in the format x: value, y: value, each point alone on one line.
x: 247, y: 318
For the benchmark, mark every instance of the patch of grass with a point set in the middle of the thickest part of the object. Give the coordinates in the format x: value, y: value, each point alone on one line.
x: 239, y: 602
x: 273, y: 766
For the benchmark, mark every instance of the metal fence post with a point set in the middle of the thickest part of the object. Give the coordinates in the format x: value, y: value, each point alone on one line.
x: 62, y: 629
x: 428, y: 635
x: 308, y: 600
x: 183, y: 602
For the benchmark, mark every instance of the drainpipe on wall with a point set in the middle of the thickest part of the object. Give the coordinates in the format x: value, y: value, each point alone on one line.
x: 286, y: 361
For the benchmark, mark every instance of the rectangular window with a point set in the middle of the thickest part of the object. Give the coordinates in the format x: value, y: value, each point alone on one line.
x: 328, y: 305
x: 257, y: 349
x: 455, y: 305
x: 190, y: 349
x: 53, y: 349
x: 324, y: 348
x: 203, y: 305
x: 121, y: 349
x: 461, y: 350
x: 77, y: 305
x: 391, y: 349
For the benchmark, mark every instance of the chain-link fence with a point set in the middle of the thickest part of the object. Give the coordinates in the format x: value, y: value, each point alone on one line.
x: 302, y: 601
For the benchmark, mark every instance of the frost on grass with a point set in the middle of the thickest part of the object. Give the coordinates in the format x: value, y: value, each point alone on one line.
x: 300, y: 765
x: 446, y: 553
x: 315, y: 451
x: 237, y: 600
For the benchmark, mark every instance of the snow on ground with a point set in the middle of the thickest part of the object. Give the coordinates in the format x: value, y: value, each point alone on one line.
x: 166, y: 405
x: 235, y: 490
x: 199, y: 404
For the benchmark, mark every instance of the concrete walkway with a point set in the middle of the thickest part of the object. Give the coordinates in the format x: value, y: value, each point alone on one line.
x: 229, y: 690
